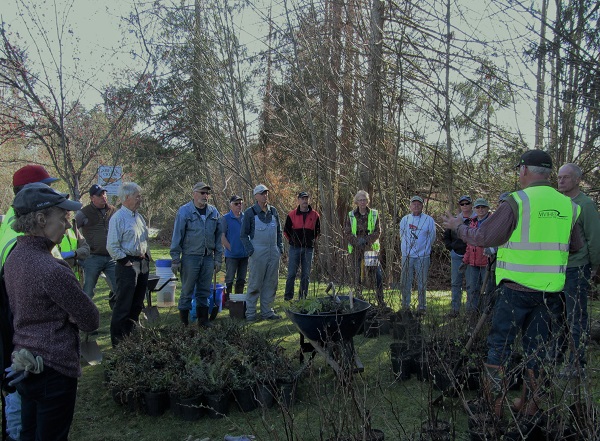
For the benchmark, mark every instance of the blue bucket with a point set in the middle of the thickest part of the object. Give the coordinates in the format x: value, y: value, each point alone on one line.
x: 211, y: 302
x: 163, y: 263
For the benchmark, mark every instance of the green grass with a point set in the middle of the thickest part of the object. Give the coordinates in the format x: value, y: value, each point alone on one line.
x: 398, y: 408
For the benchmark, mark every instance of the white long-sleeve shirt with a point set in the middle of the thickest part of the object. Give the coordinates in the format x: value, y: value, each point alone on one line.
x: 417, y: 234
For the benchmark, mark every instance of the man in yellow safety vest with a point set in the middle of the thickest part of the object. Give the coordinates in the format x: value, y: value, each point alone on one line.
x: 534, y: 230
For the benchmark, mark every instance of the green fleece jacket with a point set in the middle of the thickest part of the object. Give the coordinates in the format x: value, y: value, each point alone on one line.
x: 589, y: 222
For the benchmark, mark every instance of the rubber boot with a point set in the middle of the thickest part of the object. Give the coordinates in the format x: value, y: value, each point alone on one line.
x: 520, y: 401
x: 239, y: 287
x: 493, y: 388
x: 202, y: 314
x: 533, y: 395
x: 184, y: 315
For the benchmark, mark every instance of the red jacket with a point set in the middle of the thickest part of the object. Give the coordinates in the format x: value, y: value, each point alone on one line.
x: 302, y: 228
x: 474, y: 255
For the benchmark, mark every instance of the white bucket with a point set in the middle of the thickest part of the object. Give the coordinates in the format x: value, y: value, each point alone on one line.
x: 166, y: 296
x: 371, y: 258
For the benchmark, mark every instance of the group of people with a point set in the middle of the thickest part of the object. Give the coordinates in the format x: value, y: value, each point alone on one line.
x: 250, y: 238
x: 48, y: 308
x: 543, y: 246
x: 43, y: 250
x: 548, y: 248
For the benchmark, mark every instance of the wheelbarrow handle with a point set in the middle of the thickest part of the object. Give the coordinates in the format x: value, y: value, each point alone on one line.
x: 170, y: 279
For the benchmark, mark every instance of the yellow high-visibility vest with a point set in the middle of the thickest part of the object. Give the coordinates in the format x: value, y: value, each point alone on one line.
x: 68, y: 242
x: 537, y: 251
x: 371, y: 221
x: 8, y: 236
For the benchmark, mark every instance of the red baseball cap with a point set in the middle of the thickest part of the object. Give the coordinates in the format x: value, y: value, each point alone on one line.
x: 30, y: 174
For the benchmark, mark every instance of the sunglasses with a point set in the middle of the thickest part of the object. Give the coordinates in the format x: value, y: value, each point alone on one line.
x: 464, y: 203
x: 204, y: 192
x: 481, y: 206
x: 237, y: 203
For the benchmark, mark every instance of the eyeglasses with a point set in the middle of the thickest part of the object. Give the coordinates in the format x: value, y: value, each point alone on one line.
x: 480, y: 206
x: 464, y: 203
x: 237, y: 203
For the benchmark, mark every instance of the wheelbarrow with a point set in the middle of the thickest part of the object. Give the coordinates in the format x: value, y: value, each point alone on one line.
x: 331, y: 334
x: 151, y: 312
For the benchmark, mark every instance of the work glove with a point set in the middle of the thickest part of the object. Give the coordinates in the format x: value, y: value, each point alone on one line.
x: 15, y: 376
x: 175, y: 267
x: 217, y: 266
x: 67, y: 254
x: 489, y: 251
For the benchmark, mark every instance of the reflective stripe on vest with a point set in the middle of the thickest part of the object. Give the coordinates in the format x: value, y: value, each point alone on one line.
x: 371, y: 221
x: 537, y: 251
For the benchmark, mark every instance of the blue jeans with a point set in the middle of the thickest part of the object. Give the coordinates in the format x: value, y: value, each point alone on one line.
x: 196, y: 276
x: 570, y: 316
x: 47, y: 405
x: 418, y: 266
x: 236, y: 268
x: 457, y: 280
x: 298, y: 257
x: 528, y: 312
x: 475, y: 276
x: 13, y: 415
x: 92, y: 267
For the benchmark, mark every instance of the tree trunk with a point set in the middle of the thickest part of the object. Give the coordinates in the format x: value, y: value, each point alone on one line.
x: 372, y: 123
x: 447, y: 111
x: 540, y: 80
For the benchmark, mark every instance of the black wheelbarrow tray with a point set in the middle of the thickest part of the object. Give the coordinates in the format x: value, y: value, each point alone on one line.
x: 331, y: 334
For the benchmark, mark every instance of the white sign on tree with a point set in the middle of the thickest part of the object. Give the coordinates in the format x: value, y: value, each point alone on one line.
x: 109, y: 177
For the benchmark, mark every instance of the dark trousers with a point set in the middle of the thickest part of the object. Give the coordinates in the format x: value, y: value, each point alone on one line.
x: 236, y: 268
x: 371, y: 272
x: 527, y: 313
x: 47, y: 405
x: 570, y: 316
x: 132, y: 282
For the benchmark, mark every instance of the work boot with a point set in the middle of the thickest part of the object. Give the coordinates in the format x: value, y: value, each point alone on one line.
x: 202, y: 314
x: 493, y: 388
x: 228, y: 290
x: 531, y: 396
x: 184, y: 315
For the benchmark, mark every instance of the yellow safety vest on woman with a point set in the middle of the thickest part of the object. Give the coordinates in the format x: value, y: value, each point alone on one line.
x: 537, y: 251
x: 371, y: 221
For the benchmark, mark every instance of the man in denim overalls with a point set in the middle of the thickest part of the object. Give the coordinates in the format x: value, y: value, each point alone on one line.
x: 263, y: 240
